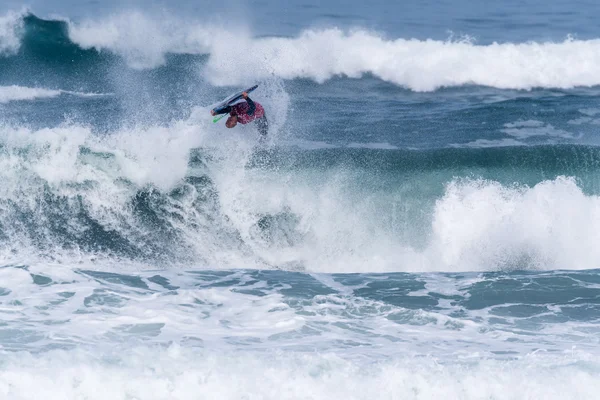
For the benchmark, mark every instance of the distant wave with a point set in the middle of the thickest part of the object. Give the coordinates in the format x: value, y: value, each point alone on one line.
x: 141, y: 40
x: 415, y: 64
x: 144, y: 42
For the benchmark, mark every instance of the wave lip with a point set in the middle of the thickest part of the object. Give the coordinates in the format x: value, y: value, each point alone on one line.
x: 11, y: 25
x: 420, y: 65
x: 68, y: 193
x: 144, y: 41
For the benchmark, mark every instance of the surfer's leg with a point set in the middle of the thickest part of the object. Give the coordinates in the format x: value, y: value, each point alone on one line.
x: 262, y: 125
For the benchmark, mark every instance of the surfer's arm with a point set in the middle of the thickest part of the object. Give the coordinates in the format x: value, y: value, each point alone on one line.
x: 251, y: 105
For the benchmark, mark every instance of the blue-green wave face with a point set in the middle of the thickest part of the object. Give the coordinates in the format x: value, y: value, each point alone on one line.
x: 108, y: 150
x: 231, y: 205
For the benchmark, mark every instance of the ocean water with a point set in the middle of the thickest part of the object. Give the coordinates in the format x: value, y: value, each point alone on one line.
x: 422, y: 221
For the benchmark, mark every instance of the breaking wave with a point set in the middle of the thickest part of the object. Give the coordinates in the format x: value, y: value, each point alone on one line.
x: 319, y: 55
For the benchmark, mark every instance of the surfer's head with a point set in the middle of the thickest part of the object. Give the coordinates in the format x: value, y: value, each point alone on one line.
x: 231, y: 121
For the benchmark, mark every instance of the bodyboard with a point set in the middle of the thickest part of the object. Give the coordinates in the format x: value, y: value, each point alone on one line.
x: 231, y: 99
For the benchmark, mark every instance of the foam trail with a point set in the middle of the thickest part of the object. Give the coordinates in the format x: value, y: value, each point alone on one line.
x: 19, y: 93
x: 10, y: 26
x: 15, y: 93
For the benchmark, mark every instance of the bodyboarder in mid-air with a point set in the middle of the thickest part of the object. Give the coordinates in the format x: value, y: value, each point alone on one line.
x: 245, y: 113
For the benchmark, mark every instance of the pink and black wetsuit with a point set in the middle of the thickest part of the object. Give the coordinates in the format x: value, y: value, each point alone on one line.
x: 248, y: 112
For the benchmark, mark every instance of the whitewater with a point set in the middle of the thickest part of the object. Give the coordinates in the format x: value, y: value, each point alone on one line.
x: 421, y: 221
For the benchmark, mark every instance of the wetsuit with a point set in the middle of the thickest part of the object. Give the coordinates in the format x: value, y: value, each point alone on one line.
x: 248, y: 112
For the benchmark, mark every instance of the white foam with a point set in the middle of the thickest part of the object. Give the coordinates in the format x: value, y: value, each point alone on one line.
x: 213, y: 337
x: 421, y: 65
x: 375, y: 146
x: 581, y: 121
x: 114, y: 167
x: 475, y: 226
x: 590, y: 112
x: 530, y: 128
x: 589, y: 119
x: 11, y: 25
x: 484, y: 225
x: 15, y: 93
x: 178, y: 373
x: 483, y: 143
x: 144, y: 40
x: 19, y: 93
x: 51, y: 159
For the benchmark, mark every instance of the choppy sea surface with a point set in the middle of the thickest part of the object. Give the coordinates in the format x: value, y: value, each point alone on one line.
x: 421, y: 223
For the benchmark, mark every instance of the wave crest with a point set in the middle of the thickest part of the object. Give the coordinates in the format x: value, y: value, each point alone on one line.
x: 144, y: 41
x: 11, y: 25
x: 420, y: 65
x: 235, y: 57
x: 161, y: 196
